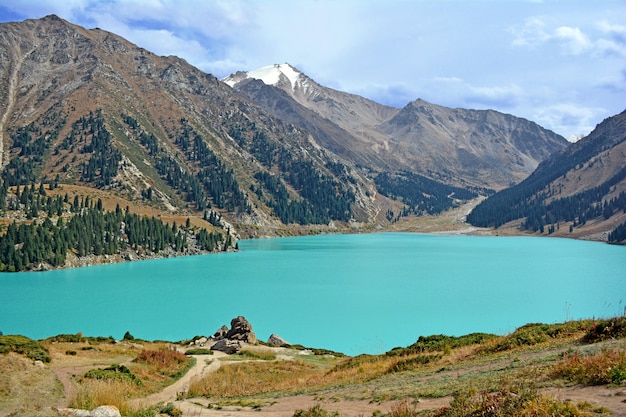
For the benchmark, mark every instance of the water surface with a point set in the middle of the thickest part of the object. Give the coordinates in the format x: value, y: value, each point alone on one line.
x: 350, y: 293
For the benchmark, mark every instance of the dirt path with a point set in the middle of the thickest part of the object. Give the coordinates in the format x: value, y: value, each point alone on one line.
x: 201, y: 368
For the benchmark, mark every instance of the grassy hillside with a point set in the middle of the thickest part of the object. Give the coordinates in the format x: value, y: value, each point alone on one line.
x: 575, y: 368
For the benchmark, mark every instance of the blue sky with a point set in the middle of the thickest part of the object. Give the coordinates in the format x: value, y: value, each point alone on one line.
x: 559, y: 63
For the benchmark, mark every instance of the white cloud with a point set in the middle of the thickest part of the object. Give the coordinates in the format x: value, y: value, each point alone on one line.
x: 574, y: 41
x: 572, y: 120
x: 532, y: 33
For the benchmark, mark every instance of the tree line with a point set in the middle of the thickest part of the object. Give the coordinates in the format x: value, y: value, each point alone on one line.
x: 83, y: 227
x: 421, y: 195
x: 321, y: 197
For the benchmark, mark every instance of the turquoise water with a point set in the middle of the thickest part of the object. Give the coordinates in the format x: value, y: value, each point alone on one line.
x: 350, y: 293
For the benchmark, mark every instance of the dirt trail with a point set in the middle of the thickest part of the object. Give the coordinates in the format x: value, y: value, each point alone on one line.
x: 201, y: 368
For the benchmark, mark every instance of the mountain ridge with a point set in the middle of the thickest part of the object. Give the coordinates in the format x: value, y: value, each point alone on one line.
x: 420, y: 137
x: 87, y: 107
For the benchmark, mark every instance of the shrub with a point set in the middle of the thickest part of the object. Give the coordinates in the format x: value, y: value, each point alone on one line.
x: 440, y: 342
x: 68, y: 338
x: 511, y: 401
x: 161, y: 358
x: 606, y: 367
x: 24, y: 346
x: 113, y: 373
x: 412, y: 363
x: 315, y: 411
x: 170, y: 410
x: 403, y: 409
x: 535, y: 333
x: 614, y: 328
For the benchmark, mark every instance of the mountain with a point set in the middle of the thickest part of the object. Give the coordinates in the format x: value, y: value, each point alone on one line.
x: 276, y: 153
x: 88, y: 107
x: 577, y: 192
x: 479, y: 148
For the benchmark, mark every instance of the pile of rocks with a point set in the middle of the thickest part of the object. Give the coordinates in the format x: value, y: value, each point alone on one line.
x: 231, y: 340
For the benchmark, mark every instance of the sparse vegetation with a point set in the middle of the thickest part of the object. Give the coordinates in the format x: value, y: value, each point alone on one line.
x: 605, y: 367
x: 24, y: 346
x: 315, y: 411
x: 511, y: 401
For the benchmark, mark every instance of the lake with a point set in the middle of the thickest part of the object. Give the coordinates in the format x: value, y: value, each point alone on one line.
x: 350, y: 293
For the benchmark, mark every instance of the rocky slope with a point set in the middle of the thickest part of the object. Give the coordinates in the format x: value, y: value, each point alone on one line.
x: 88, y: 107
x: 455, y: 146
x: 577, y: 192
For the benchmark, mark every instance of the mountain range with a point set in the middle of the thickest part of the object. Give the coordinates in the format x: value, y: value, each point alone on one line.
x: 269, y: 151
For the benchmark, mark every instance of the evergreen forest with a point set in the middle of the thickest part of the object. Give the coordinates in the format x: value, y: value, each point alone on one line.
x: 56, y: 226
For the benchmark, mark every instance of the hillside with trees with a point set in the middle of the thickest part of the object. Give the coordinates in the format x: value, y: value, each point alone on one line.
x: 586, y: 182
x: 57, y: 226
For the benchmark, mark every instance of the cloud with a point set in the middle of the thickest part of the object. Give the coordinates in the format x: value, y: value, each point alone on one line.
x: 568, y: 119
x: 457, y: 90
x: 571, y: 40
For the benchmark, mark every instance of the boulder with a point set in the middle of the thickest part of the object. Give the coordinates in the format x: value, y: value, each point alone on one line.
x: 227, y: 346
x: 201, y: 341
x: 220, y: 333
x: 276, y: 340
x: 241, y: 329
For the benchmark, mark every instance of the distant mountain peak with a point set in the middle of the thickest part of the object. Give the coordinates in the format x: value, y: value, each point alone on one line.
x: 276, y: 75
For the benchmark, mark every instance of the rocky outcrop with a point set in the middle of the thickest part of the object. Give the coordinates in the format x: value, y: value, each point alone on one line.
x: 220, y: 333
x: 276, y: 340
x: 227, y: 346
x: 241, y: 329
x: 102, y: 411
x: 231, y: 340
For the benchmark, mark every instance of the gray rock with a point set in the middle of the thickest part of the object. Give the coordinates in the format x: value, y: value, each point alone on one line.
x: 227, y: 346
x: 201, y: 341
x: 241, y: 329
x: 276, y: 340
x: 106, y: 411
x: 220, y: 333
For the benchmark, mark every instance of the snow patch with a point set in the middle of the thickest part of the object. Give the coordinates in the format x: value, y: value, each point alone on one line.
x: 271, y: 74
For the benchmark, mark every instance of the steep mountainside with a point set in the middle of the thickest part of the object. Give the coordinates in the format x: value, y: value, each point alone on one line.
x: 88, y: 107
x: 455, y: 146
x: 579, y: 191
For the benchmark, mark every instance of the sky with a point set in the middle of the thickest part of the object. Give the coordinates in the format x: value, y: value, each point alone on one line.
x: 559, y: 63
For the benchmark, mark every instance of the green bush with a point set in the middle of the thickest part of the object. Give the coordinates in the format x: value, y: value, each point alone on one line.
x: 24, y: 346
x: 67, y: 338
x: 115, y: 373
x: 440, y: 342
x: 535, y: 333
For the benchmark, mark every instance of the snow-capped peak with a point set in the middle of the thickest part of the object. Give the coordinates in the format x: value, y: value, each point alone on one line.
x: 270, y: 75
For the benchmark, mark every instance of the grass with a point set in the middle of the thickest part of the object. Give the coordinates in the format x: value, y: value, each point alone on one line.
x: 198, y: 351
x: 250, y: 378
x: 483, y: 372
